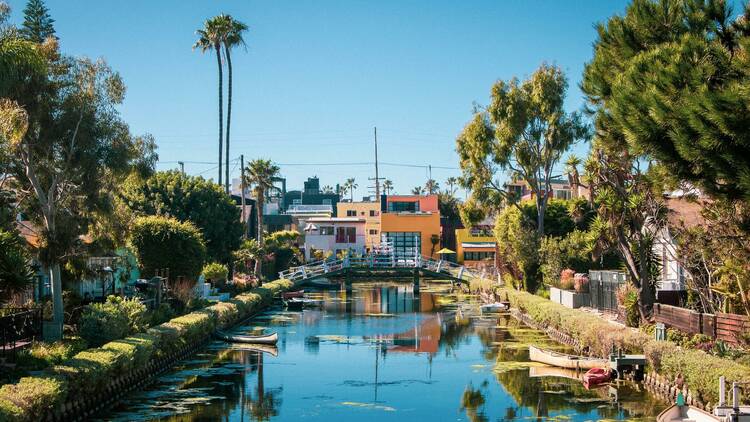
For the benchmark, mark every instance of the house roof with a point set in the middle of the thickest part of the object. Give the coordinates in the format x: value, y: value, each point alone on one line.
x: 335, y: 220
x: 469, y: 245
x: 29, y: 232
x: 683, y: 212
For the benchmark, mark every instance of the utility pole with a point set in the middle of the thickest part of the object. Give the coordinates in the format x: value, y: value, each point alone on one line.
x: 242, y: 195
x: 377, y: 175
x: 377, y: 179
x: 182, y: 167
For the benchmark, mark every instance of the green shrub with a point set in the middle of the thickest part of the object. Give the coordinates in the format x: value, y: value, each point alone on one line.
x: 163, y: 242
x: 43, y: 355
x: 116, y: 318
x: 89, y: 372
x: 215, y: 273
x: 161, y: 314
x: 30, y: 398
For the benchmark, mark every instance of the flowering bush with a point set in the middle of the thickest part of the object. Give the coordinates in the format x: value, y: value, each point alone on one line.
x: 567, y: 279
x: 581, y: 283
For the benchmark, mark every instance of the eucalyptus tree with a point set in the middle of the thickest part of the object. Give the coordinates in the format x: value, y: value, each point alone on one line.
x: 68, y: 144
x: 211, y: 37
x: 233, y: 37
x: 525, y: 131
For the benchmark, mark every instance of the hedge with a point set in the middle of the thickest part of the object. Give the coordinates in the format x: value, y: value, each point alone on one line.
x: 89, y: 371
x: 700, y: 370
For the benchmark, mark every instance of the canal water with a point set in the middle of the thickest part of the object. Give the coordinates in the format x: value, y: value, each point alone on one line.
x: 381, y: 352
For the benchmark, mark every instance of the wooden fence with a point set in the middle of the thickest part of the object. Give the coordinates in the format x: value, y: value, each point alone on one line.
x: 726, y: 327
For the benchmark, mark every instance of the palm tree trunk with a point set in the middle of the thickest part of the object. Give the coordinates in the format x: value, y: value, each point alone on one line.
x: 217, y: 47
x: 260, y: 198
x: 229, y: 117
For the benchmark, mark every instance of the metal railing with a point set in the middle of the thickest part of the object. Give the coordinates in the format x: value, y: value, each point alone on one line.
x: 18, y: 329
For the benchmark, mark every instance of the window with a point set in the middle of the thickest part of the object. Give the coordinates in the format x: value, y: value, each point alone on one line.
x: 403, y: 206
x: 373, y: 231
x: 562, y: 194
x: 362, y: 213
x: 406, y: 244
x: 373, y: 213
x: 326, y: 202
x: 326, y: 230
x: 351, y: 213
x: 479, y: 256
x: 297, y: 201
x: 346, y: 235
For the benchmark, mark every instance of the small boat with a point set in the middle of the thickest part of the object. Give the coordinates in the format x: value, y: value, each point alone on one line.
x: 554, y: 371
x: 289, y: 295
x: 241, y: 338
x: 493, y: 307
x: 300, y: 302
x: 596, y: 376
x: 271, y: 349
x: 677, y: 413
x: 565, y: 361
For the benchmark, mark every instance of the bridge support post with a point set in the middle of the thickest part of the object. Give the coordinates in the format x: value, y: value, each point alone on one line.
x: 416, y: 281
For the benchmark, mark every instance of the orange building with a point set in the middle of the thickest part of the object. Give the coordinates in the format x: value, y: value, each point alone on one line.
x: 411, y: 222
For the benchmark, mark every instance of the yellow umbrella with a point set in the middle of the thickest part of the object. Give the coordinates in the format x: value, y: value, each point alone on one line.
x: 444, y: 251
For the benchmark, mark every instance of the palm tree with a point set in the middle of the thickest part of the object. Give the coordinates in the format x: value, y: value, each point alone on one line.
x: 327, y: 189
x: 349, y: 186
x: 232, y: 38
x: 417, y: 190
x: 259, y: 176
x: 387, y: 186
x: 571, y: 169
x: 211, y: 37
x: 431, y: 186
x: 451, y: 182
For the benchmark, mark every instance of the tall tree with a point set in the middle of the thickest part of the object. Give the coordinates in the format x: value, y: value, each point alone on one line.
x: 418, y: 190
x: 67, y: 142
x: 233, y: 38
x: 193, y: 199
x: 37, y: 23
x: 327, y: 189
x: 525, y: 131
x: 260, y: 174
x: 665, y: 87
x: 387, y: 186
x: 451, y: 182
x: 431, y: 186
x: 669, y: 80
x: 349, y: 186
x: 211, y: 37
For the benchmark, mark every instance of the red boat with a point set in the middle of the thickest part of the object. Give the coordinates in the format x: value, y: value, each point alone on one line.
x: 596, y: 376
x: 289, y: 295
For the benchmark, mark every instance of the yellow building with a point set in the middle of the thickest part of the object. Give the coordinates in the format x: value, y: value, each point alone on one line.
x: 370, y: 211
x: 475, y: 247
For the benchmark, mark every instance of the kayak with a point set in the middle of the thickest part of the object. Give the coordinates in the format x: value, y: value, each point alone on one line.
x: 596, y: 376
x: 240, y: 338
x: 565, y: 361
x: 493, y: 307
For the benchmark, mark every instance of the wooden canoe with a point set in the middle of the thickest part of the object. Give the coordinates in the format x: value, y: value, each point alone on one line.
x: 565, y: 361
x: 264, y: 348
x: 289, y: 295
x: 240, y: 338
x: 554, y: 371
x: 676, y: 413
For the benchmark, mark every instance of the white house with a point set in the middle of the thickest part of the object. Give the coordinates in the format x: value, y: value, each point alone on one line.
x: 335, y: 234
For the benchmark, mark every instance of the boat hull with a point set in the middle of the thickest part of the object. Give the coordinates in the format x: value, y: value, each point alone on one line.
x: 238, y: 338
x: 565, y: 361
x: 289, y: 295
x: 676, y: 413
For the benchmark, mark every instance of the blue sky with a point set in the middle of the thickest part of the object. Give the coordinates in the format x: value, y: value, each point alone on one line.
x: 317, y: 76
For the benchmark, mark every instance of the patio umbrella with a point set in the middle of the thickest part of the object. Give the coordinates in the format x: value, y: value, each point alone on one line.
x: 444, y: 251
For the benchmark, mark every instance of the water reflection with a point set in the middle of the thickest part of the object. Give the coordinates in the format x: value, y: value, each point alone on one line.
x: 378, y: 351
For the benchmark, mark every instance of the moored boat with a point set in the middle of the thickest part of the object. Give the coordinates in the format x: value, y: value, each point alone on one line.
x: 323, y: 283
x: 493, y: 307
x: 289, y: 295
x: 565, y: 361
x: 296, y: 303
x: 596, y: 376
x: 677, y: 413
x: 241, y: 338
